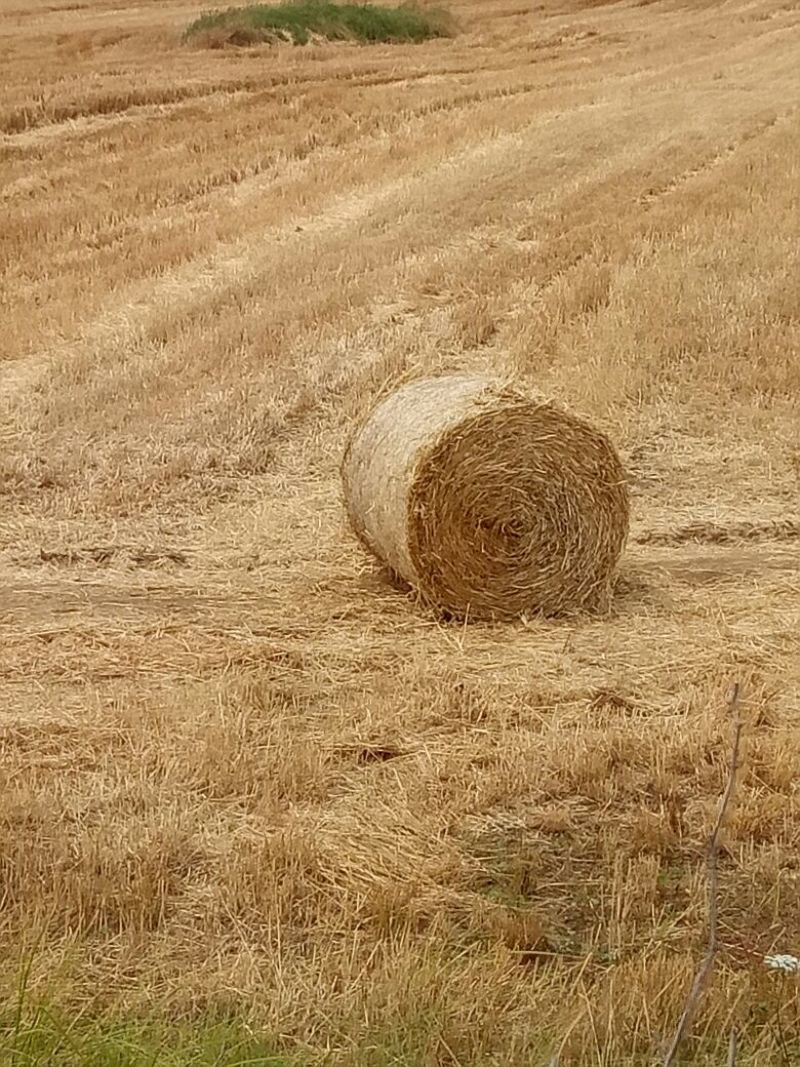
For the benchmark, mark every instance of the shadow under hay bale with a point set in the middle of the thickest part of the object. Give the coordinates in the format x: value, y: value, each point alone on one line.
x: 488, y: 502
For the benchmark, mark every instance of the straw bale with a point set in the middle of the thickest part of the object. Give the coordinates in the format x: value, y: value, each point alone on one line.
x: 488, y: 502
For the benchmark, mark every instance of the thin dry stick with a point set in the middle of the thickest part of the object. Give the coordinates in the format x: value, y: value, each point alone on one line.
x: 732, y: 1049
x: 706, y: 967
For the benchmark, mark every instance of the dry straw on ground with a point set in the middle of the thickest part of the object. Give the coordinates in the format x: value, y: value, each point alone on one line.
x: 237, y: 782
x: 489, y: 502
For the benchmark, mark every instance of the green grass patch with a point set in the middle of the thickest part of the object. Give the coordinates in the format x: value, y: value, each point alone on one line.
x: 301, y: 21
x: 43, y: 1038
x: 39, y: 1037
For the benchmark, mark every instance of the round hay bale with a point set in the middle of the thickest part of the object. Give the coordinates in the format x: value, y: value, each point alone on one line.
x: 490, y: 503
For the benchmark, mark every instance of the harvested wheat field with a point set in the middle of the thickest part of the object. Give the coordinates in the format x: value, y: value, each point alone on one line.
x: 245, y: 777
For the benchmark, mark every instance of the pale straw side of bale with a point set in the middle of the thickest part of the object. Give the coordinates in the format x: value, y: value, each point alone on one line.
x: 489, y: 502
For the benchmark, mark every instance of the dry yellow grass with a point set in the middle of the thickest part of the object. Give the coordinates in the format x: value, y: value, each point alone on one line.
x: 239, y: 770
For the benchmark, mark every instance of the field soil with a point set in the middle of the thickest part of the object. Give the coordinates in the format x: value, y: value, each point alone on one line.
x: 242, y: 771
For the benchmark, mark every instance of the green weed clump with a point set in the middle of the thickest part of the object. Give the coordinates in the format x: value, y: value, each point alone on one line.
x: 301, y: 21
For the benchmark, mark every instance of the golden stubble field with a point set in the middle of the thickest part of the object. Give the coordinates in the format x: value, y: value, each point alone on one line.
x: 240, y: 771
